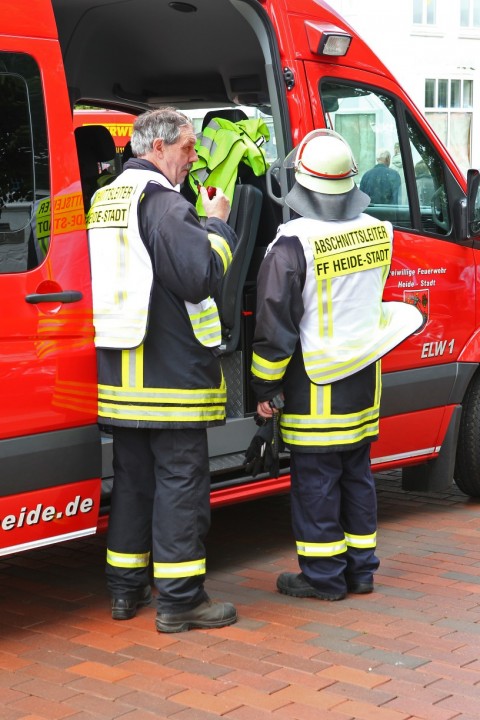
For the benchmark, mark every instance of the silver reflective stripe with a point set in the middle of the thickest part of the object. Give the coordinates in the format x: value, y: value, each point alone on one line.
x: 361, y: 541
x: 326, y: 440
x: 268, y: 370
x: 166, y: 395
x: 321, y: 549
x: 205, y: 322
x: 170, y: 414
x: 179, y: 570
x: 319, y: 422
x: 128, y: 560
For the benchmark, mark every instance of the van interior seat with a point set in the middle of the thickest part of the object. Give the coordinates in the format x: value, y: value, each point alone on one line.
x: 255, y: 222
x: 244, y: 219
x: 95, y: 145
x: 232, y: 114
x: 127, y: 152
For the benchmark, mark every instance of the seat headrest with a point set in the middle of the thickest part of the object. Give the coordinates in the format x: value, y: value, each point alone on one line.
x: 96, y: 140
x: 127, y: 152
x: 232, y: 114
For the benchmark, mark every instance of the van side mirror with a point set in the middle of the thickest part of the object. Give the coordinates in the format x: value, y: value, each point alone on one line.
x: 473, y: 202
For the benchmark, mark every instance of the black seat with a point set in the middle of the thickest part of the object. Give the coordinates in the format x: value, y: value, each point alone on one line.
x: 95, y: 145
x: 127, y: 152
x: 244, y: 219
x: 232, y: 114
x: 271, y: 213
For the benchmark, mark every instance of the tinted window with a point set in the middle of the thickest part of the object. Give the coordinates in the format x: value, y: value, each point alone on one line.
x: 24, y: 173
x: 370, y: 123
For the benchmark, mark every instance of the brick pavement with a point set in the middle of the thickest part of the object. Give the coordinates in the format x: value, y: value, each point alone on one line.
x: 409, y: 651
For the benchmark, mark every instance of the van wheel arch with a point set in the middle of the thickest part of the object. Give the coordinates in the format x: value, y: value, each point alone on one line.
x: 467, y: 465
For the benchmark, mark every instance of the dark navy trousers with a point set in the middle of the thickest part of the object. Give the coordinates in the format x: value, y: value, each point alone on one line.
x: 334, y: 517
x: 160, y: 511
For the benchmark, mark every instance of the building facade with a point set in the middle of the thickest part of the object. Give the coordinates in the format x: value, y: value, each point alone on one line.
x: 433, y: 49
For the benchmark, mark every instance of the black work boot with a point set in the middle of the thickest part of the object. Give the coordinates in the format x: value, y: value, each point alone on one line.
x: 298, y: 586
x: 360, y: 588
x: 125, y: 608
x: 207, y: 615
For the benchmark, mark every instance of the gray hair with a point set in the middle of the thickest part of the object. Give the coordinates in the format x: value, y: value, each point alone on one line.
x: 164, y: 123
x: 384, y: 156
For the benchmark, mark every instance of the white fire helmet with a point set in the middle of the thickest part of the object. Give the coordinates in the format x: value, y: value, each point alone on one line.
x: 323, y: 163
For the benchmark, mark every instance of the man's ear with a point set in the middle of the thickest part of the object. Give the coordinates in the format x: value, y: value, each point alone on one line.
x: 158, y: 145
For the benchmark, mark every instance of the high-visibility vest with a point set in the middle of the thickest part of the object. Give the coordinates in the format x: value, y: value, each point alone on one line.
x: 122, y: 273
x: 344, y: 331
x: 221, y: 147
x: 339, y: 338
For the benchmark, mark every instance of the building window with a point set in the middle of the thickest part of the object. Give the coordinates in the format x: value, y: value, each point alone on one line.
x: 425, y: 12
x: 445, y: 93
x: 470, y: 13
x: 448, y: 107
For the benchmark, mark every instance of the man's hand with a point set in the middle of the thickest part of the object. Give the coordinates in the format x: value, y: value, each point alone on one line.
x: 265, y: 410
x: 268, y: 408
x: 218, y: 206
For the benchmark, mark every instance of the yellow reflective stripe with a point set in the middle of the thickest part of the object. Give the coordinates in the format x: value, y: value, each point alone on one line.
x: 179, y: 570
x: 123, y: 246
x: 128, y: 560
x: 321, y: 549
x: 323, y: 429
x: 132, y: 367
x: 206, y: 326
x: 320, y: 402
x: 320, y: 371
x: 325, y: 308
x: 173, y: 414
x: 326, y: 421
x: 378, y: 383
x: 361, y: 541
x: 319, y: 439
x: 133, y: 402
x: 268, y: 370
x: 222, y: 248
x: 201, y: 396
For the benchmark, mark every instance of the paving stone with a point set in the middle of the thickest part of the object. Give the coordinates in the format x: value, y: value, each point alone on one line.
x: 408, y: 651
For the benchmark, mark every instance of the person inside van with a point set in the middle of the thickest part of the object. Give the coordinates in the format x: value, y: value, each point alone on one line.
x: 425, y: 184
x: 382, y: 183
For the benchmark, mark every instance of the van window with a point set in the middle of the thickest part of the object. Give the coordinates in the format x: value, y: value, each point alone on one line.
x: 370, y: 123
x: 435, y: 217
x: 24, y: 170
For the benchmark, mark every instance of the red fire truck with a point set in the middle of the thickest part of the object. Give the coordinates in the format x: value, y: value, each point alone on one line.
x: 299, y: 66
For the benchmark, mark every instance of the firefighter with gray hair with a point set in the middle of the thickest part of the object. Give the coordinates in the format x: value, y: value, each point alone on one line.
x: 155, y: 271
x: 321, y: 330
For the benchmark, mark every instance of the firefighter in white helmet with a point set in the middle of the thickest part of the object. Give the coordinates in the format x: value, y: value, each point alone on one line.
x: 321, y: 329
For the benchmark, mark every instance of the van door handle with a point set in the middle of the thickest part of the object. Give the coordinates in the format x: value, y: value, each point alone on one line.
x: 67, y: 296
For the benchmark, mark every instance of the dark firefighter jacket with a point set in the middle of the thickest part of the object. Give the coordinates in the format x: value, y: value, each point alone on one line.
x: 170, y: 379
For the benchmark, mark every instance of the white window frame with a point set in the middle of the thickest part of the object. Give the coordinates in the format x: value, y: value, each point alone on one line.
x: 449, y: 111
x: 471, y: 9
x: 423, y: 5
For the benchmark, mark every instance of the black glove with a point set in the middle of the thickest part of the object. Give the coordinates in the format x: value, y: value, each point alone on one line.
x: 262, y: 453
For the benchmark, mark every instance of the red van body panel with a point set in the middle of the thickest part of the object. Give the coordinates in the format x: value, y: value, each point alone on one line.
x: 55, y: 461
